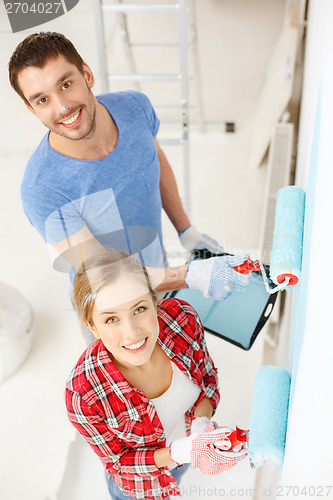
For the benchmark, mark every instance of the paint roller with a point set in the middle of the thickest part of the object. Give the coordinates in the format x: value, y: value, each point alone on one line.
x: 268, y: 425
x: 286, y: 257
x: 265, y: 441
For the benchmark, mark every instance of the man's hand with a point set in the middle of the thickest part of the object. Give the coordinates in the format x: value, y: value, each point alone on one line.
x: 192, y: 239
x: 216, y: 278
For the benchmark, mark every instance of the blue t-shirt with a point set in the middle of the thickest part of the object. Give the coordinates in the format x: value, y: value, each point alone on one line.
x: 117, y: 197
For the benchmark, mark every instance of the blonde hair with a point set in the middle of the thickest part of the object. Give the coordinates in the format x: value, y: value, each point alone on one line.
x: 101, y: 270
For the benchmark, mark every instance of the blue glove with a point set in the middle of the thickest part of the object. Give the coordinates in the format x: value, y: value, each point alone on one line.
x: 192, y: 239
x: 216, y: 278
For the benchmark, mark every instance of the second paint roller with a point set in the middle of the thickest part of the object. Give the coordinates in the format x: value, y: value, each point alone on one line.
x: 286, y: 257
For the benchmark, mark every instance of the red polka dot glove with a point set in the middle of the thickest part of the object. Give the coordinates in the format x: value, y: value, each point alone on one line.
x: 217, y: 450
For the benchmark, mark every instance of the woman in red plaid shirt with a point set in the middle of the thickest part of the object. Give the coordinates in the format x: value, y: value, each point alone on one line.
x: 135, y: 391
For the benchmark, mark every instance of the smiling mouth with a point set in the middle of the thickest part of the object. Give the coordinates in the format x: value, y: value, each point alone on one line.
x: 72, y: 119
x: 137, y: 346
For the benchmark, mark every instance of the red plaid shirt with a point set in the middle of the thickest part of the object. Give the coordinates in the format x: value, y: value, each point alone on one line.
x: 119, y: 421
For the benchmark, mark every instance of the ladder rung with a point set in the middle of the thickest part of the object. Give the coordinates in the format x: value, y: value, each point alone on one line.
x: 143, y: 77
x: 139, y: 7
x: 174, y: 108
x: 156, y: 45
x: 146, y: 77
x: 171, y: 142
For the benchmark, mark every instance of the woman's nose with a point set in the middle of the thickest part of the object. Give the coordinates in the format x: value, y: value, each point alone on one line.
x: 132, y: 329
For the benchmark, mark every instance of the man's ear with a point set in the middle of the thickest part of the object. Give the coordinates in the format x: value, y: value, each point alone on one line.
x: 29, y: 107
x: 89, y: 76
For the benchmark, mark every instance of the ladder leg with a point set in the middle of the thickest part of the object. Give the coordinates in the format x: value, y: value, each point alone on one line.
x: 184, y: 96
x: 101, y: 45
x: 122, y: 22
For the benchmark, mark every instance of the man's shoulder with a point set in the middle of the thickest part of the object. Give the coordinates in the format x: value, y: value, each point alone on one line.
x: 124, y: 97
x: 39, y: 157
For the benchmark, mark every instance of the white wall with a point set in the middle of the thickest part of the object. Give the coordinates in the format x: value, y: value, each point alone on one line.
x: 308, y: 458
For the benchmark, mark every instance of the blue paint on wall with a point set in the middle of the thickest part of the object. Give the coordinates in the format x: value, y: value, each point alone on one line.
x: 301, y: 293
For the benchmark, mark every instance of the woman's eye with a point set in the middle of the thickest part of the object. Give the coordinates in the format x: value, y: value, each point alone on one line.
x: 66, y: 85
x: 140, y: 309
x: 42, y: 100
x: 112, y: 320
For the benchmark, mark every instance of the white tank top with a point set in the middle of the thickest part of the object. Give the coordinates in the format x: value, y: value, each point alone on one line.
x: 172, y: 405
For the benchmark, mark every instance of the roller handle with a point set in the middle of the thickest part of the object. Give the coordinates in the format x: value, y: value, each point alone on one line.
x: 248, y: 266
x: 236, y: 438
x: 239, y: 436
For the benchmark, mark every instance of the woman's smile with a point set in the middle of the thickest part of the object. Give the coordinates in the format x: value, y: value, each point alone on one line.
x: 138, y: 346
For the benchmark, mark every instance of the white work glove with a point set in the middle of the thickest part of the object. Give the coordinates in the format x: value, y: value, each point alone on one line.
x: 191, y: 239
x: 180, y: 450
x: 215, y: 277
x: 199, y: 425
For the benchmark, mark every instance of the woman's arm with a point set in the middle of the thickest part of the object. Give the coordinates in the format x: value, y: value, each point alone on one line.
x: 208, y: 400
x: 204, y: 409
x: 162, y: 457
x: 113, y: 452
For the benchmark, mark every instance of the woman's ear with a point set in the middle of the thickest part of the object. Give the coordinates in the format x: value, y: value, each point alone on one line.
x: 93, y: 330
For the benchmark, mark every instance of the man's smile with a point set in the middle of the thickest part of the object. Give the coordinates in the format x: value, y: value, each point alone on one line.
x: 73, y: 120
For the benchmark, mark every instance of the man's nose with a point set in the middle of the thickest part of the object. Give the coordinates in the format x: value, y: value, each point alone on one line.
x: 61, y: 106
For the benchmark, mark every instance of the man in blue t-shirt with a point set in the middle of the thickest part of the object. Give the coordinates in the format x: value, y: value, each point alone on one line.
x: 99, y: 177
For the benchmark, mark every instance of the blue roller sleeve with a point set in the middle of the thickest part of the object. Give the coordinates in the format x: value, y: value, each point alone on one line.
x: 286, y: 257
x: 269, y: 416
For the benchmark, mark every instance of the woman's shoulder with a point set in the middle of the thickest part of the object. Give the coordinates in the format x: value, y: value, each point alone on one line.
x: 92, y: 365
x: 175, y: 306
x: 178, y: 314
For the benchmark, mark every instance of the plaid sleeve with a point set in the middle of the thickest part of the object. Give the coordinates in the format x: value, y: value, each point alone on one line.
x: 115, y: 456
x: 209, y: 376
x: 202, y: 357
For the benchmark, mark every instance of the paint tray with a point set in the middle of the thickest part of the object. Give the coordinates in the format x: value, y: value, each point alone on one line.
x: 240, y: 317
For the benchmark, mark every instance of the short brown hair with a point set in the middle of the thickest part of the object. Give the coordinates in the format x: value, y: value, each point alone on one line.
x: 101, y: 270
x: 36, y: 50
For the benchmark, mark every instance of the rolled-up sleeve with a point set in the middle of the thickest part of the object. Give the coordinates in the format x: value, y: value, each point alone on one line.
x: 114, y: 454
x: 203, y: 359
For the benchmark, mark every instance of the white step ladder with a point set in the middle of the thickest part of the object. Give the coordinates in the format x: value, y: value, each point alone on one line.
x: 185, y: 10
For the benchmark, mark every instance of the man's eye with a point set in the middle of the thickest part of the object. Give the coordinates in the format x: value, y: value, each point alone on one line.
x: 112, y: 320
x: 42, y: 100
x: 66, y: 85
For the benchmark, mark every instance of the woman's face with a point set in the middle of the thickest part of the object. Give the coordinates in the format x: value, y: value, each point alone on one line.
x: 124, y: 317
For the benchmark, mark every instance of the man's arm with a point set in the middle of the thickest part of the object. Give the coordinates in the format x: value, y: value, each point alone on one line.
x: 171, y: 201
x: 77, y: 248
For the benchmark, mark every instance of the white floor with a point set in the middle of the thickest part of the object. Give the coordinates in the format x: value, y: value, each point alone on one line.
x: 34, y: 431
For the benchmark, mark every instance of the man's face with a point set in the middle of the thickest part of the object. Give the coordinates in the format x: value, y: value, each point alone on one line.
x: 60, y: 96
